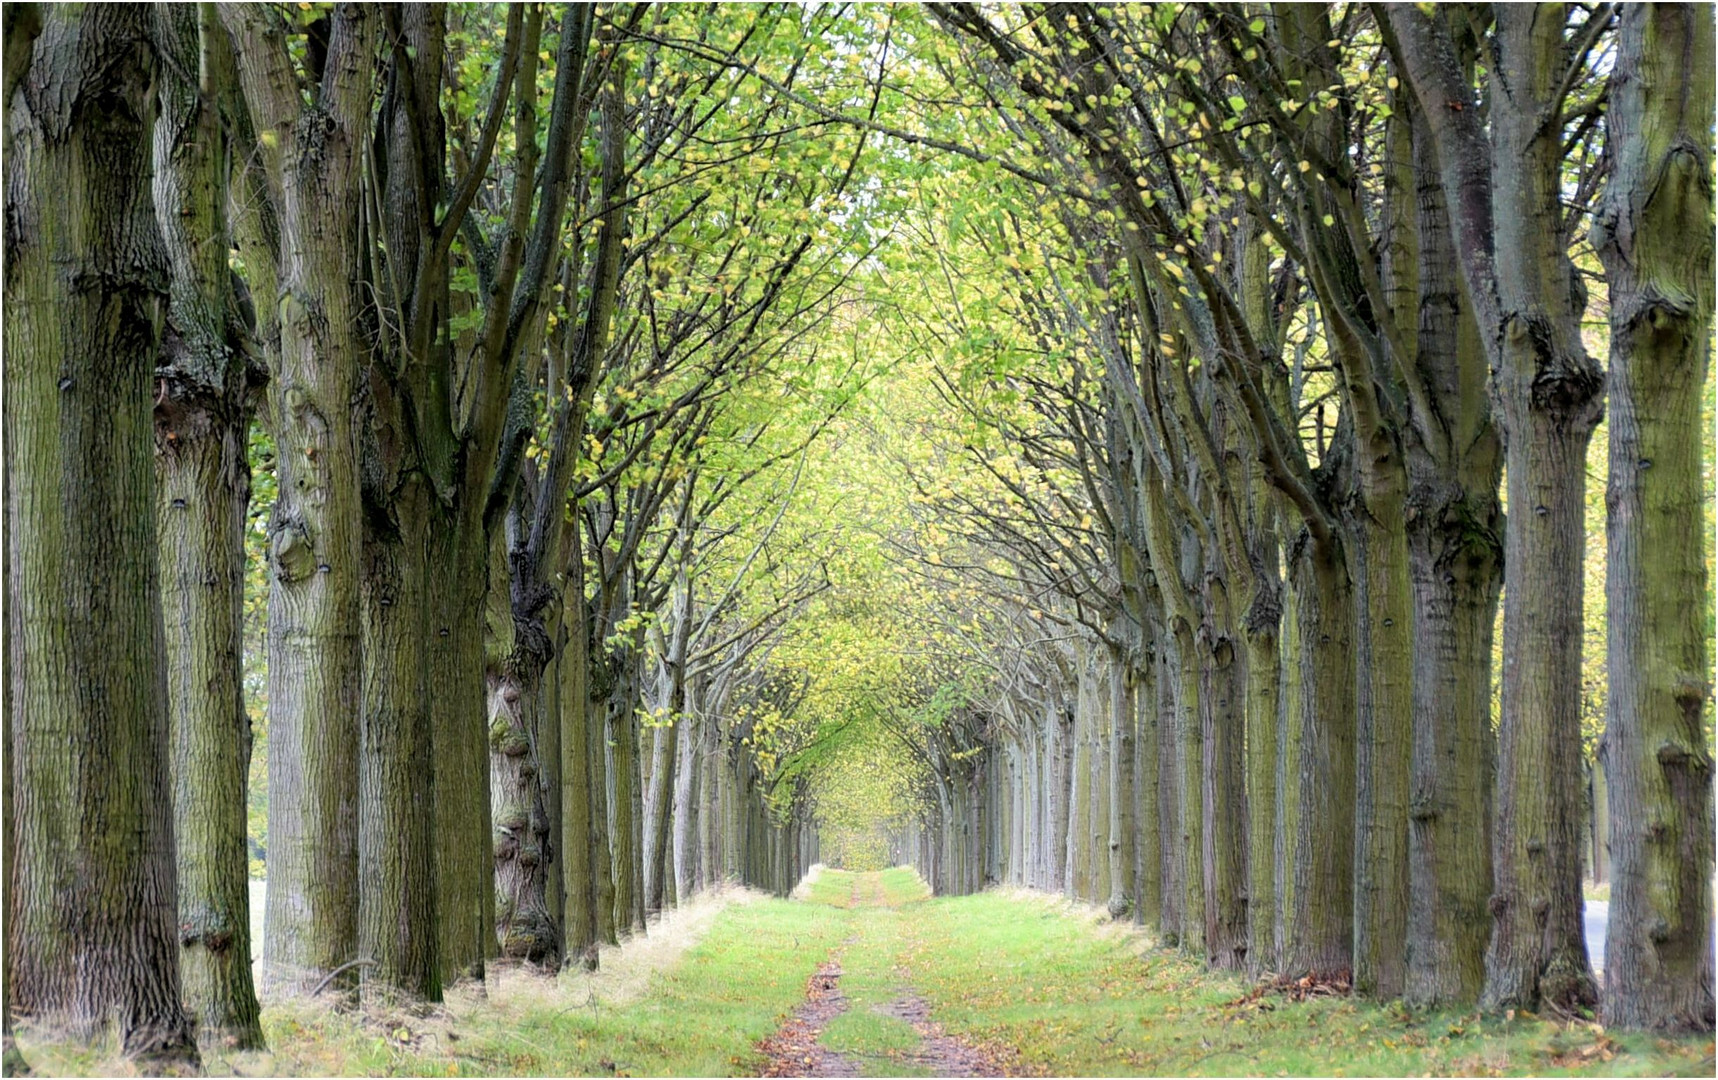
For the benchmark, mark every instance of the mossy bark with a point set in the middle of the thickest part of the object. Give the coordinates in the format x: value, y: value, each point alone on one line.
x: 1321, y: 930
x: 311, y: 157
x: 91, y: 890
x: 1455, y: 564
x: 1654, y: 235
x: 202, y: 417
x: 1503, y: 179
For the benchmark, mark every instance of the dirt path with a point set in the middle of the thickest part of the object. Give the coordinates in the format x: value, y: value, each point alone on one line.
x: 794, y: 1050
x: 943, y: 1054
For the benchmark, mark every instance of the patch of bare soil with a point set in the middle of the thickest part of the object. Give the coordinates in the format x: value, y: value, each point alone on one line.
x: 794, y: 1050
x: 944, y: 1054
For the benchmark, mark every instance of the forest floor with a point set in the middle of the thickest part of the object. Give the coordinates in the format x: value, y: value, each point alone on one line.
x: 865, y: 974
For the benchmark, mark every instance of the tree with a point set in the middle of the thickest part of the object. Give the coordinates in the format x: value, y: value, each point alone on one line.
x: 1654, y: 234
x: 310, y: 151
x: 91, y: 889
x: 207, y: 376
x: 1504, y: 188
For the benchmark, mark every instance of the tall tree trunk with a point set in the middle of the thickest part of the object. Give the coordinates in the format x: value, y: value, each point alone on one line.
x: 1123, y: 828
x: 397, y: 892
x: 578, y: 824
x: 1059, y: 756
x: 1148, y: 825
x: 1655, y: 238
x: 203, y: 475
x: 709, y: 804
x: 1384, y: 662
x: 688, y: 811
x: 626, y: 811
x: 1077, y: 867
x: 1197, y: 915
x: 464, y: 866
x: 315, y: 530
x: 1289, y: 731
x: 409, y: 492
x: 1264, y: 676
x: 1225, y: 794
x: 1321, y: 932
x: 518, y: 652
x: 597, y: 688
x: 1169, y: 802
x: 657, y: 866
x: 1504, y: 182
x: 92, y: 889
x: 1455, y: 564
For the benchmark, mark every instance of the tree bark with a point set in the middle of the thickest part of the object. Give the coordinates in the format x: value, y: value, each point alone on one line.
x: 1504, y: 187
x: 1123, y: 827
x: 1654, y: 235
x: 202, y: 417
x: 1455, y: 561
x: 92, y: 888
x: 1321, y: 931
x: 311, y: 156
x: 397, y: 889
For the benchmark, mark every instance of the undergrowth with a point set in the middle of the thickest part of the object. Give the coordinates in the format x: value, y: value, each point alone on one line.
x: 1055, y: 988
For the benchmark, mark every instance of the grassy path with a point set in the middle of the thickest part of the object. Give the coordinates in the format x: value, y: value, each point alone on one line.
x: 1004, y: 982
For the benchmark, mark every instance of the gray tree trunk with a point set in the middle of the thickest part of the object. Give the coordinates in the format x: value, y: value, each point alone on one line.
x: 91, y: 892
x: 1654, y: 234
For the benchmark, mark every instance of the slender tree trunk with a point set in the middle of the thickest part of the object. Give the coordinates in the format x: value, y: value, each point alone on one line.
x: 1289, y: 731
x: 1059, y: 756
x: 657, y: 867
x: 1123, y: 828
x: 688, y: 813
x: 92, y: 890
x: 1169, y: 802
x: 1225, y: 792
x: 627, y: 811
x: 1197, y: 915
x: 597, y: 762
x: 1384, y: 663
x: 1077, y: 867
x: 709, y: 804
x: 578, y: 821
x: 1264, y: 675
x: 1147, y: 771
x: 1655, y: 238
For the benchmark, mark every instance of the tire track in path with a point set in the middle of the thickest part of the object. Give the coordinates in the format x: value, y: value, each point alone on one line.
x: 796, y: 1049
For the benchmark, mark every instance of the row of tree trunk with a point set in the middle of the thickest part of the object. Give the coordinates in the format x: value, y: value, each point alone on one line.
x: 1290, y: 762
x: 216, y: 220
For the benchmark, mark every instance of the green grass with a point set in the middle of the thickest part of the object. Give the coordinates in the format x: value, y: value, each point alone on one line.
x: 702, y: 1016
x: 1073, y: 993
x: 1077, y: 997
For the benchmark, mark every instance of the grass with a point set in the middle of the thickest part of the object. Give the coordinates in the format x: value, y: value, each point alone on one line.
x: 1079, y: 996
x: 695, y: 1008
x: 1072, y: 992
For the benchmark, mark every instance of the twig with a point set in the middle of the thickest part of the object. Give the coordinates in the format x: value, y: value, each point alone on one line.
x: 342, y: 969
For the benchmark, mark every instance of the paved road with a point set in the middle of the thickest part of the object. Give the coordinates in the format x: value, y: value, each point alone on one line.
x: 257, y: 890
x: 1598, y: 911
